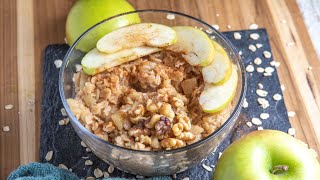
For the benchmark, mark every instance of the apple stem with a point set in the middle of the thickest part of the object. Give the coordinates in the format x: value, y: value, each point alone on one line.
x: 279, y: 169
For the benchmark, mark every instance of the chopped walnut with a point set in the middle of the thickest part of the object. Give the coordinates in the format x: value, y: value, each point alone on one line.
x: 162, y: 126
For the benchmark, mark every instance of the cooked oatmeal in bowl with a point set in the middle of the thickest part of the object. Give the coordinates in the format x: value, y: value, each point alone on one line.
x: 150, y: 103
x: 153, y: 98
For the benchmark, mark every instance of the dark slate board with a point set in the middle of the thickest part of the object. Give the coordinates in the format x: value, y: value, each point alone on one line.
x: 65, y: 143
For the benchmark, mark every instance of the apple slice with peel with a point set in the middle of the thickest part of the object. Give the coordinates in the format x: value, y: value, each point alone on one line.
x: 220, y: 69
x: 95, y: 61
x: 143, y: 34
x: 196, y: 47
x: 215, y: 98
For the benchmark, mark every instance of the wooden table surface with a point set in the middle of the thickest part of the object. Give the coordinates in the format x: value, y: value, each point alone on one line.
x: 28, y: 26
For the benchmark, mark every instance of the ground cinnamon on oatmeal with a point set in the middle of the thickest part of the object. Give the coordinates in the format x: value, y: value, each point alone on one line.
x: 147, y: 104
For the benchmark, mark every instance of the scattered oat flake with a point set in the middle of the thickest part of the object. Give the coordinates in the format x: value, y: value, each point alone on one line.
x: 291, y: 44
x: 253, y: 26
x: 61, y: 122
x: 260, y: 86
x: 260, y: 69
x: 240, y: 53
x: 267, y: 74
x: 261, y: 93
x: 85, y: 157
x: 260, y: 128
x: 97, y: 173
x: 269, y: 69
x: 88, y: 163
x: 257, y: 61
x: 277, y: 97
x: 88, y: 149
x: 249, y: 124
x: 83, y: 144
x: 266, y: 54
x: 6, y: 128
x: 245, y: 103
x: 62, y: 166
x: 283, y: 21
x: 249, y: 68
x: 78, y: 67
x: 229, y: 26
x: 66, y: 121
x: 185, y: 178
x: 212, y: 37
x: 282, y: 87
x: 291, y: 131
x: 207, y: 167
x: 90, y: 178
x: 171, y: 16
x: 263, y: 102
x: 49, y: 155
x: 58, y: 63
x: 216, y: 26
x: 63, y: 112
x: 291, y: 114
x: 237, y: 35
x: 259, y: 45
x: 65, y: 40
x: 252, y: 48
x: 110, y: 169
x: 256, y: 121
x: 264, y: 116
x: 220, y: 154
x: 139, y: 177
x: 106, y: 174
x: 275, y: 63
x: 8, y: 107
x: 254, y: 36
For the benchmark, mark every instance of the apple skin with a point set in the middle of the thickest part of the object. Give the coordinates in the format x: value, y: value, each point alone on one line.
x: 253, y: 156
x: 215, y: 98
x: 86, y: 13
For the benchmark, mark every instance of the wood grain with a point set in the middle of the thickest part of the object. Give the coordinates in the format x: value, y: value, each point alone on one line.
x: 28, y: 26
x: 26, y: 63
x: 9, y: 141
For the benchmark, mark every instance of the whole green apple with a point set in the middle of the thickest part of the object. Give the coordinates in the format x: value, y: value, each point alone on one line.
x: 266, y: 155
x: 86, y: 13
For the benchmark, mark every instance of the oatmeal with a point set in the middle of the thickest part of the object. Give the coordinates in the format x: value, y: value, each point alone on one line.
x: 150, y: 103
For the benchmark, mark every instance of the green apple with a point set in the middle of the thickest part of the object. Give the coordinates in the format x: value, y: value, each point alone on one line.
x: 220, y: 69
x: 95, y: 61
x: 194, y: 45
x: 86, y: 13
x: 215, y: 98
x: 142, y: 34
x: 267, y: 155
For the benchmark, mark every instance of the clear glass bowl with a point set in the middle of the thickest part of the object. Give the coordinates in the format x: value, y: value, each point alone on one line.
x: 152, y: 163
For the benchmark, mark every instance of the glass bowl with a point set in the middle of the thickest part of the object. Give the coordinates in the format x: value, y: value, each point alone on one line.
x: 152, y: 163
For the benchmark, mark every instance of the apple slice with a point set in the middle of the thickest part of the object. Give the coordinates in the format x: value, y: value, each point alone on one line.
x: 220, y: 69
x: 196, y: 47
x: 95, y: 61
x: 143, y: 34
x: 215, y: 98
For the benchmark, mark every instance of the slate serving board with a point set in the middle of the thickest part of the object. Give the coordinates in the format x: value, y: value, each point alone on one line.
x: 65, y: 143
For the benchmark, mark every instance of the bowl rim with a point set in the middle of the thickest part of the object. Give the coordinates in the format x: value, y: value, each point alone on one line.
x: 171, y: 151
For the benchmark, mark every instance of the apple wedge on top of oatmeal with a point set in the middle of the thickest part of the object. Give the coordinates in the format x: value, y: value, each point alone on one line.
x: 152, y: 87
